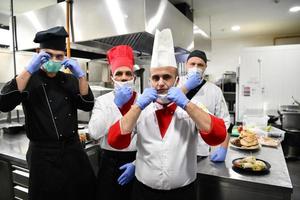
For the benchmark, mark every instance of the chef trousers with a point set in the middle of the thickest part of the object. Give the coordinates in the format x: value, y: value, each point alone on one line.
x: 108, y: 187
x: 60, y: 171
x: 143, y: 192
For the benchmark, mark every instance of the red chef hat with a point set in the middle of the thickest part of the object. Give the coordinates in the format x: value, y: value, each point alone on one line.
x: 120, y: 56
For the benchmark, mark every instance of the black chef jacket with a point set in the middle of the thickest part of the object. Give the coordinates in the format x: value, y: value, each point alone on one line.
x: 50, y: 105
x: 59, y: 166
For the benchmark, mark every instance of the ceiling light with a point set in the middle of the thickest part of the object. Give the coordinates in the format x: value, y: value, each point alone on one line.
x: 235, y: 28
x: 295, y: 9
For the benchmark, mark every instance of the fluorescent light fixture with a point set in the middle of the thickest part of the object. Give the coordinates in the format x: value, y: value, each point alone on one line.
x: 235, y: 28
x: 197, y: 30
x: 295, y: 9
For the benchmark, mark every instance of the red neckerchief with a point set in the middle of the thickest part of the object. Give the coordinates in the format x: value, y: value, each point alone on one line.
x: 126, y: 107
x: 164, y: 117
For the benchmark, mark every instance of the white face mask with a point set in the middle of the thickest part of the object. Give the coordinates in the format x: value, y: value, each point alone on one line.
x: 119, y: 84
x: 194, y: 70
x: 162, y: 98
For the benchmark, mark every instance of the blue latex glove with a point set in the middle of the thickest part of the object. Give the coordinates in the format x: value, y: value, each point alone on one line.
x: 219, y: 154
x: 122, y: 95
x: 149, y: 95
x: 37, y: 61
x: 176, y: 95
x: 74, y: 67
x: 193, y: 80
x: 128, y: 174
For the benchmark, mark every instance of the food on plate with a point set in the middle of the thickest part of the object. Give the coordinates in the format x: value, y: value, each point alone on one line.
x: 246, y: 139
x: 251, y: 163
x: 268, y: 141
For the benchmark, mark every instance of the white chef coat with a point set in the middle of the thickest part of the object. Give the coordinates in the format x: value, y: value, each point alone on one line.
x: 212, y: 98
x: 169, y: 162
x: 105, y: 114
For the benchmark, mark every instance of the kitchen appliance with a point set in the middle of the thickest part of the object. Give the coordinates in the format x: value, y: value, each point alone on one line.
x: 108, y: 23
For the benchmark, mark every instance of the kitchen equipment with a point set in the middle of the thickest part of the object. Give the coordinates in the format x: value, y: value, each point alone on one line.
x: 13, y: 128
x: 248, y: 171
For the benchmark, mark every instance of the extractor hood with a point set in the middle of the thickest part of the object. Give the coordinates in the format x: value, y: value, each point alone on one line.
x: 97, y: 25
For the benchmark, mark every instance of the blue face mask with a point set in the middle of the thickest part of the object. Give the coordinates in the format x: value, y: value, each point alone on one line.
x: 52, y: 66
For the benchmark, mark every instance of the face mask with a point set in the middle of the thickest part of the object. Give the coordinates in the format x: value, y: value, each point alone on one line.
x: 119, y: 84
x: 194, y: 70
x: 52, y: 66
x: 162, y: 98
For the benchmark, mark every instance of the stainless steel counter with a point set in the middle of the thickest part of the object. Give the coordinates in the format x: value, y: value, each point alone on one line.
x: 13, y: 147
x: 220, y: 181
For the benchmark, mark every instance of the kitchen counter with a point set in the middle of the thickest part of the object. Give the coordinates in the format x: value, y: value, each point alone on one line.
x: 219, y: 181
x: 14, y: 148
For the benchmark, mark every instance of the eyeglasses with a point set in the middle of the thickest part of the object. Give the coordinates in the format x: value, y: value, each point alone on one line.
x: 56, y: 56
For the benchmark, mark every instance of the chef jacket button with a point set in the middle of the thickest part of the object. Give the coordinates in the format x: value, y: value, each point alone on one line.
x: 62, y: 82
x: 45, y: 84
x: 69, y: 114
x: 60, y: 135
x: 66, y: 98
x: 50, y: 101
x: 55, y: 118
x: 73, y: 131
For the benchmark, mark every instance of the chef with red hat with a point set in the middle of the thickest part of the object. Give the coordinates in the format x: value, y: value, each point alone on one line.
x: 115, y: 166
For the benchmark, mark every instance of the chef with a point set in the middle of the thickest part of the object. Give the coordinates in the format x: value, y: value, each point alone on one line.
x: 115, y: 166
x: 59, y: 167
x: 211, y: 98
x: 168, y: 126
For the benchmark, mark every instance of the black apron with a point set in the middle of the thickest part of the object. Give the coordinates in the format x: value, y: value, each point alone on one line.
x: 108, y: 187
x: 60, y: 171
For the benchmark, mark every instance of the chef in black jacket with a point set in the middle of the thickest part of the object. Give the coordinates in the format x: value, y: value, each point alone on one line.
x: 59, y: 166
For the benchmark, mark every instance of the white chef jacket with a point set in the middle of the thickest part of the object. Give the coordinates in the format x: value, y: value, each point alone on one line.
x: 212, y: 98
x: 169, y: 162
x: 105, y: 114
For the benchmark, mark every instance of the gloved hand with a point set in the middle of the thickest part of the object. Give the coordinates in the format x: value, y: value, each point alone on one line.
x: 128, y: 174
x: 74, y: 67
x: 193, y: 80
x: 176, y: 95
x: 122, y: 95
x: 219, y: 154
x: 37, y: 61
x: 149, y: 95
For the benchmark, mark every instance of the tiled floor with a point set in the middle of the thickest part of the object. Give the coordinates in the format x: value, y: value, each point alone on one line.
x: 294, y: 170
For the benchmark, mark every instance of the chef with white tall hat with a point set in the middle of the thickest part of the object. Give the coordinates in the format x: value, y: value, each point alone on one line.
x: 168, y: 126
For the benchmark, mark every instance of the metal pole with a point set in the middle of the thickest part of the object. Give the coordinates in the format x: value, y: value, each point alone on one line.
x: 13, y: 35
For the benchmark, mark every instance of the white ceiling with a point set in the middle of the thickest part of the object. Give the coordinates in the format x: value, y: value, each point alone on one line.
x: 21, y: 6
x: 255, y: 17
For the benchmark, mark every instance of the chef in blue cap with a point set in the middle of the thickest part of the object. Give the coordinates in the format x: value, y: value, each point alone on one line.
x: 59, y: 167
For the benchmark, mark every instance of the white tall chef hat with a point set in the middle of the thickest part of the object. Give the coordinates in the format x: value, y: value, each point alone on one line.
x: 163, y: 50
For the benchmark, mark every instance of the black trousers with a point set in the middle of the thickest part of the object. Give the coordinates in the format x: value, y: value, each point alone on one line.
x: 143, y: 192
x: 108, y: 187
x: 60, y: 172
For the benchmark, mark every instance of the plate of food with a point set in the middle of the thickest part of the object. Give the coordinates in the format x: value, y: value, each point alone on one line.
x: 268, y: 141
x: 251, y: 165
x: 247, y: 140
